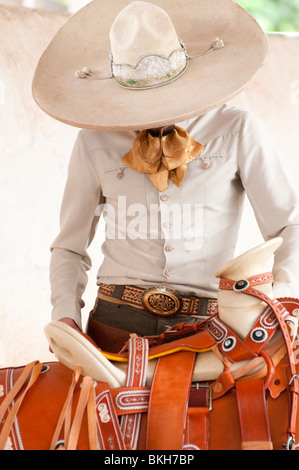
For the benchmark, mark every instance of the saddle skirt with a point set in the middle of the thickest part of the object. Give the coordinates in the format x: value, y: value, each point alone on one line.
x: 250, y: 405
x: 213, y: 386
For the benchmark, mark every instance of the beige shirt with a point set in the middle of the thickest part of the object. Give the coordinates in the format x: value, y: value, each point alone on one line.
x: 182, y: 236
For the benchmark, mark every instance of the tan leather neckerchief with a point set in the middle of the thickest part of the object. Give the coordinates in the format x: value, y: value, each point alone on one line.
x: 163, y: 157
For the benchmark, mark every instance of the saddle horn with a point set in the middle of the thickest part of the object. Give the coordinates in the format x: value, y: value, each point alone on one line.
x: 237, y: 310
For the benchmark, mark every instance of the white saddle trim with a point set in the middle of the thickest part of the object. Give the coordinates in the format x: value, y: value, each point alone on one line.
x: 72, y: 349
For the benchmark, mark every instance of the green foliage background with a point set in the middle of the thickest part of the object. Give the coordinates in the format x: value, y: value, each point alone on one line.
x: 273, y: 15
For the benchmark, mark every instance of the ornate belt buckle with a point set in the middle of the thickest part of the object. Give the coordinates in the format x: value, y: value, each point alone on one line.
x: 162, y: 301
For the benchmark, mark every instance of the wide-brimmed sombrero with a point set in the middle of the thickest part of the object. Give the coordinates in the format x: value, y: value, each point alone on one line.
x: 119, y: 65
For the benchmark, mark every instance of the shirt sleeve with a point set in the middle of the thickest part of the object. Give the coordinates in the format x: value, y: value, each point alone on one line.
x: 78, y: 220
x: 275, y: 203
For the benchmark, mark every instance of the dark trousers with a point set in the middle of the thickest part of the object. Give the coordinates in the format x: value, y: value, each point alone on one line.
x: 111, y: 324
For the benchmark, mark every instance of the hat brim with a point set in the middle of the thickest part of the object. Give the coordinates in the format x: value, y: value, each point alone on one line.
x: 209, y: 81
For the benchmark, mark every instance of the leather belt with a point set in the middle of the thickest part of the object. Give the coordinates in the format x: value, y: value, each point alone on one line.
x: 160, y: 300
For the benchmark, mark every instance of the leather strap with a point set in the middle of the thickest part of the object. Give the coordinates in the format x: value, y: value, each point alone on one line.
x: 257, y: 280
x: 86, y: 402
x: 109, y: 433
x: 173, y: 341
x: 102, y: 423
x: 136, y: 377
x: 228, y: 284
x: 168, y: 401
x: 65, y: 416
x: 257, y: 339
x: 30, y: 375
x: 129, y: 400
x: 253, y: 415
x: 197, y: 429
x: 197, y: 425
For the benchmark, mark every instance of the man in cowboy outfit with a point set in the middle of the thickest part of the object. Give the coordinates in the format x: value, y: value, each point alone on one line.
x: 172, y: 195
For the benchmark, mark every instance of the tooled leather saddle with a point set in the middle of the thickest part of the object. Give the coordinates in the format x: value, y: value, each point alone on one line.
x: 253, y: 406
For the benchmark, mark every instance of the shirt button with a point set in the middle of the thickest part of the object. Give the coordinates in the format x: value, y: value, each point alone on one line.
x: 166, y: 224
x: 206, y: 165
x: 168, y: 248
x: 167, y: 273
x: 164, y: 197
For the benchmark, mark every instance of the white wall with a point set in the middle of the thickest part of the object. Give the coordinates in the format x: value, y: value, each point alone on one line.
x: 34, y: 154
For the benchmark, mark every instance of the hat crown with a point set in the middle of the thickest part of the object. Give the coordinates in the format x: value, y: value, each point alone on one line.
x: 142, y: 29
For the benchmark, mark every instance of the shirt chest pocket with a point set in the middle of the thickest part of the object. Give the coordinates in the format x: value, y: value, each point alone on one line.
x: 208, y: 163
x: 203, y: 173
x: 121, y: 181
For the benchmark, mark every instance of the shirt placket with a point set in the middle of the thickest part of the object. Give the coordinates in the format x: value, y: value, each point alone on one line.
x: 170, y: 209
